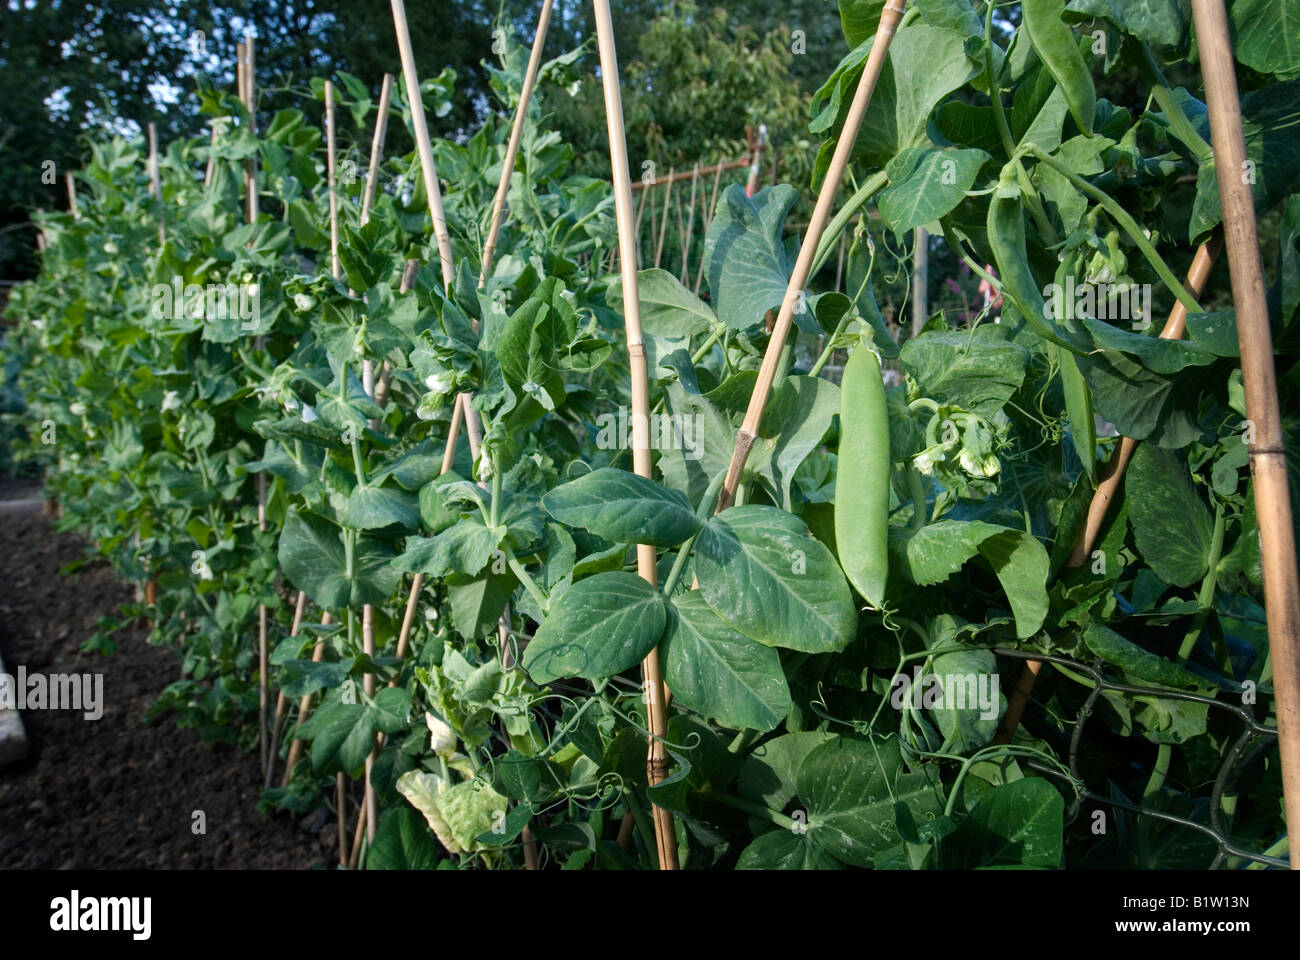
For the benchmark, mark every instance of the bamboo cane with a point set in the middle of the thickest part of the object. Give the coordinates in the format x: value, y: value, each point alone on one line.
x: 889, y: 18
x: 72, y: 197
x: 332, y: 177
x: 368, y: 684
x: 341, y: 801
x: 377, y: 148
x: 1175, y: 326
x: 516, y: 135
x: 1268, y: 452
x: 263, y: 653
x: 304, y: 705
x: 367, y: 202
x: 282, y: 702
x: 422, y: 143
x: 717, y: 169
x: 212, y: 157
x: 155, y: 181
x: 363, y: 815
x: 657, y: 755
x: 663, y: 223
x: 689, y: 235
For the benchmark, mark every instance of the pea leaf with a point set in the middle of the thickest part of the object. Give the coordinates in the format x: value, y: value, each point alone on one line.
x: 978, y: 371
x: 763, y: 573
x: 850, y: 787
x: 1266, y: 35
x: 1018, y: 824
x: 749, y: 269
x: 719, y: 673
x: 925, y: 184
x: 312, y: 556
x: 464, y: 548
x: 935, y: 552
x: 668, y: 309
x: 402, y: 842
x: 1161, y: 22
x: 784, y: 850
x: 1159, y: 486
x: 623, y: 507
x: 597, y: 628
x: 372, y: 508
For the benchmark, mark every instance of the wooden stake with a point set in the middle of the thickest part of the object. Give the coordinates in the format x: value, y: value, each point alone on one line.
x: 663, y: 223
x: 304, y: 706
x: 1259, y: 377
x: 263, y: 658
x: 368, y: 684
x: 889, y: 18
x: 155, y: 181
x: 377, y: 147
x: 341, y: 801
x: 689, y: 235
x: 657, y: 755
x: 282, y: 702
x: 422, y: 143
x: 512, y: 147
x: 333, y: 178
x: 72, y: 197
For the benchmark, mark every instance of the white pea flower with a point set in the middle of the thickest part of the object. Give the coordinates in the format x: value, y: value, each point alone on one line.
x: 291, y: 405
x: 575, y: 87
x: 110, y: 248
x: 308, y: 414
x: 171, y: 401
x: 77, y: 409
x: 303, y: 302
x: 438, y: 382
x: 254, y: 290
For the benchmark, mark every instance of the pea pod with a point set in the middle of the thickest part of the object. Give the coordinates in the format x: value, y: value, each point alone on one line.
x: 1058, y: 48
x: 1078, y: 396
x: 862, y: 478
x: 1006, y: 238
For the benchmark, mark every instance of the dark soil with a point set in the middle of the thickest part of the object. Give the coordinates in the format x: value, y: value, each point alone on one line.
x: 120, y: 792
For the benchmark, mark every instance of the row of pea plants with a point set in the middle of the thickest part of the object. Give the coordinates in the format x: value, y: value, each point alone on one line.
x: 829, y: 638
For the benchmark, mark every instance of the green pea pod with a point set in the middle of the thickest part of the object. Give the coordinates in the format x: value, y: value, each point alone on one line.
x: 1006, y: 237
x: 862, y: 478
x: 1058, y: 48
x: 1078, y: 395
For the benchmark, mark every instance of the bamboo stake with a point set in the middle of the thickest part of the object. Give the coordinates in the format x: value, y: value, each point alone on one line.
x: 263, y: 652
x: 363, y: 816
x: 690, y: 227
x: 663, y: 223
x: 889, y: 18
x: 333, y: 179
x: 367, y: 202
x: 250, y: 101
x: 657, y: 755
x: 718, y: 169
x: 155, y: 181
x: 516, y: 135
x: 341, y: 801
x: 1259, y: 376
x: 72, y: 197
x: 377, y: 147
x: 304, y: 705
x: 282, y: 702
x: 1174, y: 328
x: 422, y: 143
x: 368, y: 684
x: 212, y: 157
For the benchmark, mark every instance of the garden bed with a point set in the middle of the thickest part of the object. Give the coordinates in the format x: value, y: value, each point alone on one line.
x: 119, y: 792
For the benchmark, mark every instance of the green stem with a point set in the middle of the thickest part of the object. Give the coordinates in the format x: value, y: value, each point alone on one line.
x: 1164, y: 97
x: 702, y: 511
x: 525, y: 578
x: 754, y: 809
x: 1126, y: 222
x: 916, y: 487
x: 995, y: 92
x: 643, y: 825
x: 826, y: 246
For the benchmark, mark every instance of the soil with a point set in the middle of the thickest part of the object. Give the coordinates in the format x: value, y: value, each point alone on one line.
x: 120, y: 792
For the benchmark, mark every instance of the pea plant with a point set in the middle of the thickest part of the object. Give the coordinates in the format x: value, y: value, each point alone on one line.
x: 460, y: 625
